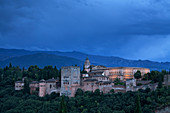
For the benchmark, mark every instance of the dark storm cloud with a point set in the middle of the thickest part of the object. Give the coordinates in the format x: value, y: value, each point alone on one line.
x: 127, y: 28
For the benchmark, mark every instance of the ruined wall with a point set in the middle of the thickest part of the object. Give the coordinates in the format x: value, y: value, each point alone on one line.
x: 130, y: 84
x: 33, y: 87
x: 51, y: 87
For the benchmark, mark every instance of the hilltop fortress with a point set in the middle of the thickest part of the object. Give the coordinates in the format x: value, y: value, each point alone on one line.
x: 92, y: 78
x: 98, y: 77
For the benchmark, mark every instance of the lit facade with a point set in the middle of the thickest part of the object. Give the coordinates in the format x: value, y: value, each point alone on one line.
x: 123, y: 73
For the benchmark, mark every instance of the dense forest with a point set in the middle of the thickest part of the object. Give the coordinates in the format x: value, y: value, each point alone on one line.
x: 12, y: 101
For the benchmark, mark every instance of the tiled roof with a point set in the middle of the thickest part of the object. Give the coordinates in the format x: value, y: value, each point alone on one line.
x: 90, y: 80
x: 34, y: 82
x: 51, y: 80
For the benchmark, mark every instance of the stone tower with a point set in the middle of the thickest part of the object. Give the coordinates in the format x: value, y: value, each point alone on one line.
x: 87, y: 65
x: 70, y: 80
x: 42, y: 88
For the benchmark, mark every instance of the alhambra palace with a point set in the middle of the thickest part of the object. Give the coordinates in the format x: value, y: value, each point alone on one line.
x: 92, y: 78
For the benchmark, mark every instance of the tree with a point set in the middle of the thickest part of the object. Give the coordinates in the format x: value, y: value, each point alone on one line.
x: 26, y: 86
x: 146, y: 76
x: 164, y: 72
x: 63, y: 108
x: 79, y: 92
x: 138, y: 105
x: 137, y: 75
x: 23, y: 69
x: 112, y: 91
x: 147, y: 90
x: 54, y: 95
x: 117, y: 80
x: 160, y: 82
x: 10, y: 65
x: 154, y: 76
x: 97, y: 92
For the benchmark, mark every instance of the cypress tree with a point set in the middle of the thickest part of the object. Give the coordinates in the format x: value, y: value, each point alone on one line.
x: 63, y: 108
x: 160, y: 83
x: 10, y: 65
x: 138, y: 105
x: 26, y: 87
x: 23, y: 69
x: 0, y: 77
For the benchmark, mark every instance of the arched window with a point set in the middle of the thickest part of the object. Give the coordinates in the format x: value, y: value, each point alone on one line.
x: 50, y: 86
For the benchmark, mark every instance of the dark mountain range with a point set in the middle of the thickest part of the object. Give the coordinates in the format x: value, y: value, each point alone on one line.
x: 43, y: 58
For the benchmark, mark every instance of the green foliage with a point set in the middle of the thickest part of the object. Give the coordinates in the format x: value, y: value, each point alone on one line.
x: 146, y: 76
x: 117, y: 82
x: 155, y: 76
x: 26, y: 86
x: 139, y: 84
x: 138, y: 105
x: 160, y: 83
x: 137, y: 75
x: 79, y: 92
x: 120, y: 83
x: 12, y: 101
x: 63, y: 108
x: 97, y: 92
x: 112, y: 91
x: 34, y: 73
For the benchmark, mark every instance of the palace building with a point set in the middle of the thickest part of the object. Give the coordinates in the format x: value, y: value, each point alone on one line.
x: 92, y: 78
x: 123, y: 73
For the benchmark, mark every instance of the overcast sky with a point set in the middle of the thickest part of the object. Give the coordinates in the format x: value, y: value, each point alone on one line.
x: 133, y: 29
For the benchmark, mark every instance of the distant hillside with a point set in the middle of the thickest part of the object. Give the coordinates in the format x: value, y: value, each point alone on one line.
x: 26, y: 58
x: 41, y: 60
x: 14, y: 52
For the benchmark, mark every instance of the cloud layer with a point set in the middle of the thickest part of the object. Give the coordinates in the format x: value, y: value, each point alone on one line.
x: 134, y: 29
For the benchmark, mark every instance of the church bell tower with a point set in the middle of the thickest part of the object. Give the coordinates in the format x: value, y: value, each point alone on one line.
x: 87, y: 65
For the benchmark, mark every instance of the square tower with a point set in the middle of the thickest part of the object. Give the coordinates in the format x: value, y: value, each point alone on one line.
x: 70, y: 79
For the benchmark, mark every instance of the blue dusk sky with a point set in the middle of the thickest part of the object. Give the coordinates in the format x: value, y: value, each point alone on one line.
x: 132, y: 29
